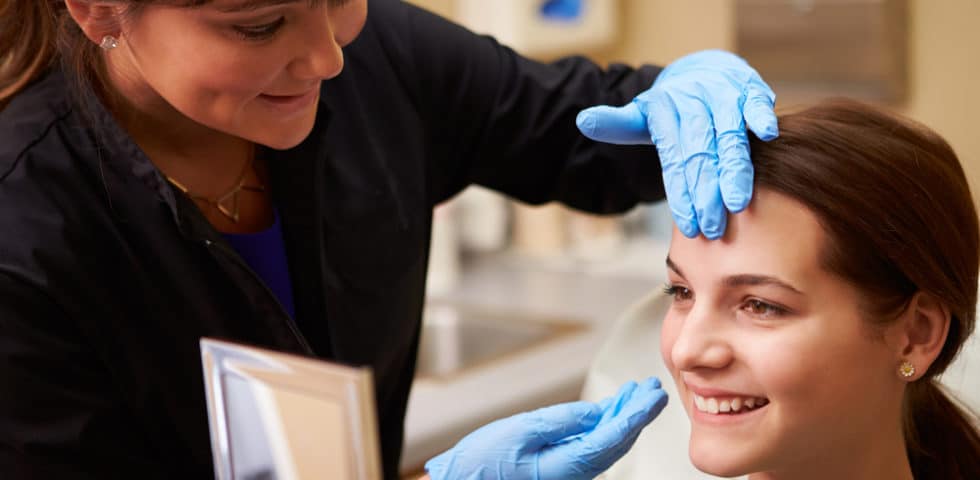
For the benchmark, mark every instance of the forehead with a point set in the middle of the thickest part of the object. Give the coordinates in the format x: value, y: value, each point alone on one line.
x: 775, y: 235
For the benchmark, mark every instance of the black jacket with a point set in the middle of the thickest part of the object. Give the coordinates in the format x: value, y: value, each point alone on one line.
x: 109, y: 276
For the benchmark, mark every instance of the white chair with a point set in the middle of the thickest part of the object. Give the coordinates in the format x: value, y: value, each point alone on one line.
x: 632, y: 352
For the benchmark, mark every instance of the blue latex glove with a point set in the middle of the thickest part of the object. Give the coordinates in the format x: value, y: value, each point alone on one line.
x: 695, y: 113
x: 570, y: 441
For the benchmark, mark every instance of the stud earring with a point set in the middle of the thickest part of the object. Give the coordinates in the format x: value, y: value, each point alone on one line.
x: 906, y: 369
x: 109, y: 42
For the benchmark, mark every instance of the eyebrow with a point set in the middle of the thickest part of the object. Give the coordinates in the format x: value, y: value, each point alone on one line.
x: 744, y: 279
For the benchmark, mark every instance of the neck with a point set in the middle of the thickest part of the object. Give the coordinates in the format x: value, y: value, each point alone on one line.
x: 205, y: 160
x: 209, y: 165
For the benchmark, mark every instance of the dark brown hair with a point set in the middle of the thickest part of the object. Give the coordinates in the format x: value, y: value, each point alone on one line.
x: 896, y: 207
x: 36, y: 34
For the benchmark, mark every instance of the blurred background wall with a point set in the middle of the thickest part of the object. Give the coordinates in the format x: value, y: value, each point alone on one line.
x: 944, y: 90
x: 943, y: 58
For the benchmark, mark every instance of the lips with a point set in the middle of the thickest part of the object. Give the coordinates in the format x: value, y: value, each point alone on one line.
x: 288, y: 104
x: 287, y: 98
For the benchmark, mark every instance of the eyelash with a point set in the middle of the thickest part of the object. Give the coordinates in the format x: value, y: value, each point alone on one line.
x: 674, y: 290
x: 769, y: 309
x: 259, y: 32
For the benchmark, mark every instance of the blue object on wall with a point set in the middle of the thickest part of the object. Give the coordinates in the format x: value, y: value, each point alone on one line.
x: 562, y: 10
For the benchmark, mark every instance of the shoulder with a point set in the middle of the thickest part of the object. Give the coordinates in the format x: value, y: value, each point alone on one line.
x: 30, y: 117
x: 43, y: 145
x: 40, y: 138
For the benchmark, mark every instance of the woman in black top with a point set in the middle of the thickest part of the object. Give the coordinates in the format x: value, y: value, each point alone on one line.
x: 136, y: 135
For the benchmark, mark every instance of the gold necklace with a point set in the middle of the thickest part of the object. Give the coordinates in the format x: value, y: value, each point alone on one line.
x: 227, y: 203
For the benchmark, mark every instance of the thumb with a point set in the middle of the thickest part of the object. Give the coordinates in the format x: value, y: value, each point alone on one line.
x: 551, y: 424
x: 624, y: 125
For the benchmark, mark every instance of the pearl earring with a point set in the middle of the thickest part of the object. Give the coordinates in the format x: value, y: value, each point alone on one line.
x: 109, y: 42
x: 906, y: 369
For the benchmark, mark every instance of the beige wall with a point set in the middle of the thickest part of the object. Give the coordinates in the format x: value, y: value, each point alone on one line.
x: 945, y: 75
x: 658, y: 31
x: 944, y: 53
x: 654, y: 31
x: 442, y: 7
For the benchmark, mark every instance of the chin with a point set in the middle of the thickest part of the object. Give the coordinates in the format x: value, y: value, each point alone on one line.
x: 284, y: 138
x: 724, y: 463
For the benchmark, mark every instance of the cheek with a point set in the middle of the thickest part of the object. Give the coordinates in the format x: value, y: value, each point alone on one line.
x: 201, y: 65
x: 228, y: 75
x: 350, y: 21
x: 822, y: 371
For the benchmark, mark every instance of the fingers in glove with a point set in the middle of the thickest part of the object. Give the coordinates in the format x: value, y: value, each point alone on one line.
x: 759, y: 112
x: 609, y: 406
x: 599, y: 449
x: 624, y: 125
x: 734, y: 161
x: 663, y: 124
x: 645, y: 404
x: 697, y: 134
x: 552, y: 424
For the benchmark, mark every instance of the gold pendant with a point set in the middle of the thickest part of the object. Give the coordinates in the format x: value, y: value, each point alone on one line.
x: 226, y: 204
x: 230, y: 208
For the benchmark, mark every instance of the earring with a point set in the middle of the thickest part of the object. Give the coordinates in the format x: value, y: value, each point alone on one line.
x: 906, y: 369
x: 109, y: 42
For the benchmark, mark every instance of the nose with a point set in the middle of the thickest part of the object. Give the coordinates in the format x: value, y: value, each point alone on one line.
x: 321, y: 56
x: 701, y: 341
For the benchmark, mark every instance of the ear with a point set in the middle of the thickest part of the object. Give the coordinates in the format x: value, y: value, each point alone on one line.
x: 918, y: 337
x: 96, y: 19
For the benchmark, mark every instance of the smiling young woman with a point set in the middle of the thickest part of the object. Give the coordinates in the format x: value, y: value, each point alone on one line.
x: 806, y: 343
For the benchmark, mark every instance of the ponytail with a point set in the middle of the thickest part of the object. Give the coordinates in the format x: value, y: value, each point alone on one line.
x: 28, y: 42
x: 941, y: 437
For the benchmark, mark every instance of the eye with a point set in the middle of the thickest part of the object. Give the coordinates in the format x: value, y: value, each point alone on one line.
x: 678, y: 292
x: 762, y: 309
x: 259, y: 32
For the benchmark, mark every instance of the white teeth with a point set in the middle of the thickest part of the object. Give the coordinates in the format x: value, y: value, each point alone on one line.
x: 715, y: 406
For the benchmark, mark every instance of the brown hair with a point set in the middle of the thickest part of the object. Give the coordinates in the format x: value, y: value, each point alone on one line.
x: 36, y: 34
x: 895, y: 204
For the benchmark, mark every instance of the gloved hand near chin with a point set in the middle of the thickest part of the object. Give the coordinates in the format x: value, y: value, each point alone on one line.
x: 696, y: 113
x: 570, y: 441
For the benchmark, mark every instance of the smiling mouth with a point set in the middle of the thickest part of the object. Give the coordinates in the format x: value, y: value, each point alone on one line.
x: 728, y: 405
x: 286, y: 98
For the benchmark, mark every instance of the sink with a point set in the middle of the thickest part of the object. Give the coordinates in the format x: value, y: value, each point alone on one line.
x: 458, y: 338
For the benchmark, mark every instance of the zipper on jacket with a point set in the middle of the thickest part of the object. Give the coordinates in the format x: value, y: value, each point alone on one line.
x: 241, y: 263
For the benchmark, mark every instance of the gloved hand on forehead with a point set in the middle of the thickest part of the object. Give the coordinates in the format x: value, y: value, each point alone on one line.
x: 570, y: 441
x: 696, y: 114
